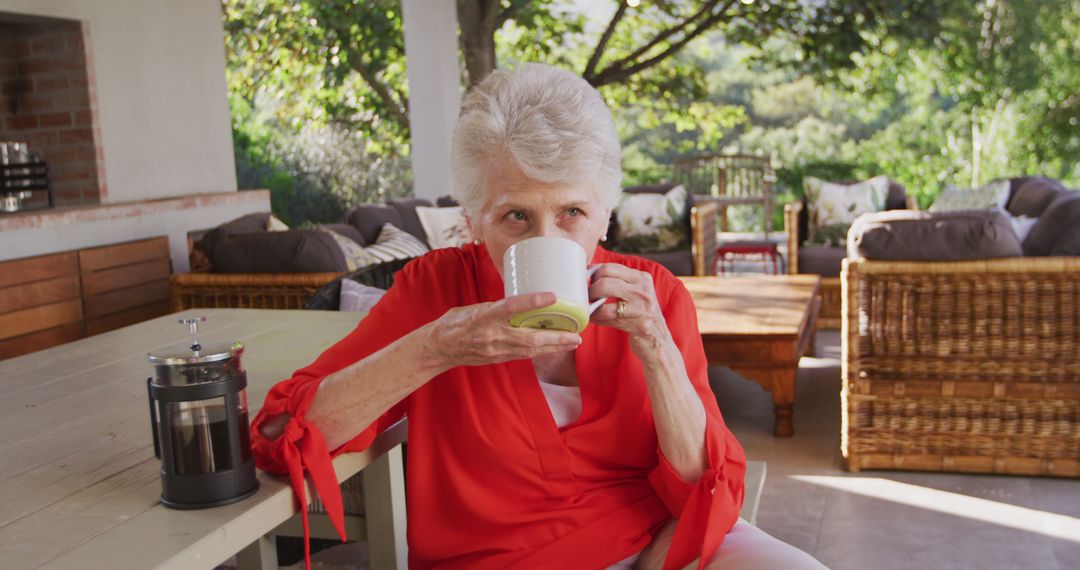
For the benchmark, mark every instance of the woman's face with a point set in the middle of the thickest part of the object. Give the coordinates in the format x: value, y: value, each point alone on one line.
x: 518, y: 207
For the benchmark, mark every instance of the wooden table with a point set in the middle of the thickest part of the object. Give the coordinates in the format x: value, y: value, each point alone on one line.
x: 759, y: 326
x: 79, y: 483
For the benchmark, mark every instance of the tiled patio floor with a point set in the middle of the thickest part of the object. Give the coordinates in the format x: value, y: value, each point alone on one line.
x: 875, y: 519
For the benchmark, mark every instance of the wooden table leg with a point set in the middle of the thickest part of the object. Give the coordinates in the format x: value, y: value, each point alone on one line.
x: 384, y: 505
x: 783, y: 395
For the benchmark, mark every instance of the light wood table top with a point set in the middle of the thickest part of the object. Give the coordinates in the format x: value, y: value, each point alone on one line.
x: 79, y: 484
x: 759, y: 326
x: 752, y: 305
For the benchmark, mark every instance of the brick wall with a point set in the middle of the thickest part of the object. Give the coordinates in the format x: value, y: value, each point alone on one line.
x: 47, y: 100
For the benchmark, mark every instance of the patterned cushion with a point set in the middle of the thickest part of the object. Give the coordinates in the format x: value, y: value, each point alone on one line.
x: 994, y: 194
x: 357, y: 297
x: 652, y: 222
x: 395, y: 243
x: 391, y: 244
x: 444, y: 227
x: 354, y: 253
x: 833, y: 207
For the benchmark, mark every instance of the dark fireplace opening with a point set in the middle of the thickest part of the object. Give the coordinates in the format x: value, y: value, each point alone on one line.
x: 48, y: 104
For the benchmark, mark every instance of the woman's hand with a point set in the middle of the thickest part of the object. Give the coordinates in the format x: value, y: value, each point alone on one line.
x: 678, y: 412
x: 481, y: 334
x: 642, y: 317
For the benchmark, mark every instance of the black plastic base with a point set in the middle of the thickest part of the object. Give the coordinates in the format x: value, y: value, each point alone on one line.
x: 211, y: 504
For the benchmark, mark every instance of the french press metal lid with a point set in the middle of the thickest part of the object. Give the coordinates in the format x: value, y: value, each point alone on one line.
x: 199, y: 417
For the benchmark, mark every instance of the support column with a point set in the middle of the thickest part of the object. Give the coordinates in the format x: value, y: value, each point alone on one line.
x: 431, y: 59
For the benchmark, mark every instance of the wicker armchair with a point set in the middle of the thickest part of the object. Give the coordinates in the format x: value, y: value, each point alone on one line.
x: 795, y: 225
x: 969, y: 366
x: 699, y: 257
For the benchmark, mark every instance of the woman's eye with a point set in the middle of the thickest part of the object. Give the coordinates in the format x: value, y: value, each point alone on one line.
x: 574, y: 212
x: 516, y: 215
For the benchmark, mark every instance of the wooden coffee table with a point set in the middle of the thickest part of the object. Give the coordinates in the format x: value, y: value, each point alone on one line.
x: 759, y: 326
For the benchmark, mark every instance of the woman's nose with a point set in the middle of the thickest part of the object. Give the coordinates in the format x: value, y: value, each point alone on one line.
x: 547, y: 228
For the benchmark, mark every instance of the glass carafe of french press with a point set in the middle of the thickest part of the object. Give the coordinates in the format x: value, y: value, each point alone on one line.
x: 199, y: 417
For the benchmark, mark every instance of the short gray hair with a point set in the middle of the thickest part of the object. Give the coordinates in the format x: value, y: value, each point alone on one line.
x: 550, y: 122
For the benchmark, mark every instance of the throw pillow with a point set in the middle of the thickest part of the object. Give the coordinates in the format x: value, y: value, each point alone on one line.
x: 444, y: 227
x: 833, y: 207
x: 250, y: 223
x: 652, y: 222
x: 275, y: 225
x: 357, y: 297
x: 1022, y: 225
x: 994, y: 194
x: 1056, y: 221
x: 356, y: 256
x: 348, y: 231
x: 394, y: 243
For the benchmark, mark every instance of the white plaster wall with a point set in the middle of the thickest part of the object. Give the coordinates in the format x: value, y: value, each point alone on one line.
x: 173, y: 222
x: 161, y: 92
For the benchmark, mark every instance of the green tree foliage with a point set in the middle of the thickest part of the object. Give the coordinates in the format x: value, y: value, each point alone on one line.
x: 995, y: 92
x: 928, y: 91
x: 343, y: 60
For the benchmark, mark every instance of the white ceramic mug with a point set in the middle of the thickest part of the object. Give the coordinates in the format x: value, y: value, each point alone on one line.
x: 556, y: 265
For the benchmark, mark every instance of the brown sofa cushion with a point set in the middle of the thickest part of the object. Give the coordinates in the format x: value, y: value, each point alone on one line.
x: 821, y: 260
x: 292, y: 251
x: 410, y: 222
x: 933, y: 236
x: 1055, y: 222
x: 1030, y: 195
x: 245, y: 224
x: 347, y: 230
x: 370, y: 218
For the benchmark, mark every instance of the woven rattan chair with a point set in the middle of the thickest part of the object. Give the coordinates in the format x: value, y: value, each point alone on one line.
x: 969, y: 366
x: 796, y: 227
x: 245, y: 290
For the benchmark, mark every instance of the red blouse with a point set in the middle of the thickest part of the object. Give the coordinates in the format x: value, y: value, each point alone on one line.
x: 491, y: 481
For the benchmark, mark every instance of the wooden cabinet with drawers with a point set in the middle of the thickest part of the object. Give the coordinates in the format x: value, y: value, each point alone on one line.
x: 53, y: 299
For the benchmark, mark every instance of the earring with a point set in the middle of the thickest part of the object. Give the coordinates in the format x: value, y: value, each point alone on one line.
x: 603, y: 237
x: 477, y: 242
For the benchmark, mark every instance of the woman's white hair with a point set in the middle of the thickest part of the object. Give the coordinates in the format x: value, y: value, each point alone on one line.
x: 551, y: 123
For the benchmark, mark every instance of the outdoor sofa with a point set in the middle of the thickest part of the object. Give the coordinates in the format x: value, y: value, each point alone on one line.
x: 241, y: 264
x: 245, y: 266
x: 824, y: 260
x: 961, y: 344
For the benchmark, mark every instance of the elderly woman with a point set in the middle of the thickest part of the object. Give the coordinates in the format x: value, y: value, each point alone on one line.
x: 532, y: 448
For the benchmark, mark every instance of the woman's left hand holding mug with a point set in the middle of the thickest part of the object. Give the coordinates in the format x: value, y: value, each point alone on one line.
x: 641, y: 317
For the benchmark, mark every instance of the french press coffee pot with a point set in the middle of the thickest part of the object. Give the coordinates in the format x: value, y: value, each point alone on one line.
x: 199, y: 418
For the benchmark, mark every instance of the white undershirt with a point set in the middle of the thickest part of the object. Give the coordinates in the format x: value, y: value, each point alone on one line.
x: 564, y: 401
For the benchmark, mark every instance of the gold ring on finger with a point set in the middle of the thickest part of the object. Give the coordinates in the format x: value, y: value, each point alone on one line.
x: 620, y: 309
